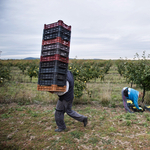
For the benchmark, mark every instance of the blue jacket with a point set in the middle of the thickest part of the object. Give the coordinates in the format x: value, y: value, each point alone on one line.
x: 133, y: 95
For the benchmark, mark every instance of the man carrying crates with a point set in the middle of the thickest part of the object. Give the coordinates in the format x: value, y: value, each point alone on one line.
x: 53, y: 71
x: 64, y: 104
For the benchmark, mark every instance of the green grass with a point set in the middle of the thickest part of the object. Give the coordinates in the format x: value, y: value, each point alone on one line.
x: 27, y: 117
x: 32, y: 127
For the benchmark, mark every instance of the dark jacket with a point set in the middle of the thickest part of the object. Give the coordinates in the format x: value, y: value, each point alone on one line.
x: 70, y: 94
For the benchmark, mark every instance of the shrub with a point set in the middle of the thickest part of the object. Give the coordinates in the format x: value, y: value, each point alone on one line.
x: 22, y: 67
x: 32, y: 71
x: 4, y: 73
x: 85, y: 71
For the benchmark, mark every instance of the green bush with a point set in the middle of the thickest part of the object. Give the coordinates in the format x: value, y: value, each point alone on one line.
x: 32, y: 71
x: 83, y: 72
x: 22, y: 67
x: 4, y: 73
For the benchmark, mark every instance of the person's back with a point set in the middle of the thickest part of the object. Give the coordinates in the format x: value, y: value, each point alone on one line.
x: 69, y: 95
x: 131, y: 94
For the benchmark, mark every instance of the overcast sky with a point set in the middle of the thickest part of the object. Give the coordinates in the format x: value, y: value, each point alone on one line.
x: 102, y: 29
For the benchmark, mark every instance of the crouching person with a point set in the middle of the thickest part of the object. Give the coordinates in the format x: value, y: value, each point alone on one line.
x: 131, y: 94
x: 64, y: 104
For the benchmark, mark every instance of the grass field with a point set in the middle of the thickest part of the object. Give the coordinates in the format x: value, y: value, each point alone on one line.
x: 27, y: 117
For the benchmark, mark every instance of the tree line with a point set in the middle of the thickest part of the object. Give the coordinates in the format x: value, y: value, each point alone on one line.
x: 136, y: 71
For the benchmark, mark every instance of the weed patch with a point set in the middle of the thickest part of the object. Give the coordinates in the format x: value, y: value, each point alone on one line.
x: 32, y: 127
x: 93, y: 140
x: 77, y: 134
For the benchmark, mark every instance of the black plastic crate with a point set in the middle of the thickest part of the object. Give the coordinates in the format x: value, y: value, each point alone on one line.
x: 52, y: 70
x: 56, y: 40
x: 55, y: 51
x: 57, y: 29
x: 54, y: 57
x: 52, y: 76
x: 51, y: 82
x: 55, y: 46
x: 53, y: 64
x: 63, y: 36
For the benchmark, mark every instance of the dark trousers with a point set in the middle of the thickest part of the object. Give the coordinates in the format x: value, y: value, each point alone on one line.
x: 125, y: 101
x: 61, y: 108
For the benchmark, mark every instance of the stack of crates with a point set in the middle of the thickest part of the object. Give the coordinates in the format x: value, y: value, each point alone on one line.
x: 54, y: 57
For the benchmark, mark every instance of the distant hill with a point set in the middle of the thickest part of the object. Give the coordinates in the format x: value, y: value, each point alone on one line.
x: 30, y: 58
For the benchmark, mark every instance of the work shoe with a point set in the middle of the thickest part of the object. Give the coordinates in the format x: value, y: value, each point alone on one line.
x: 59, y: 130
x: 85, y: 121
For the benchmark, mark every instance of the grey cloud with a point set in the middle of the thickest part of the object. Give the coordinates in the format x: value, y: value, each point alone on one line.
x: 100, y: 29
